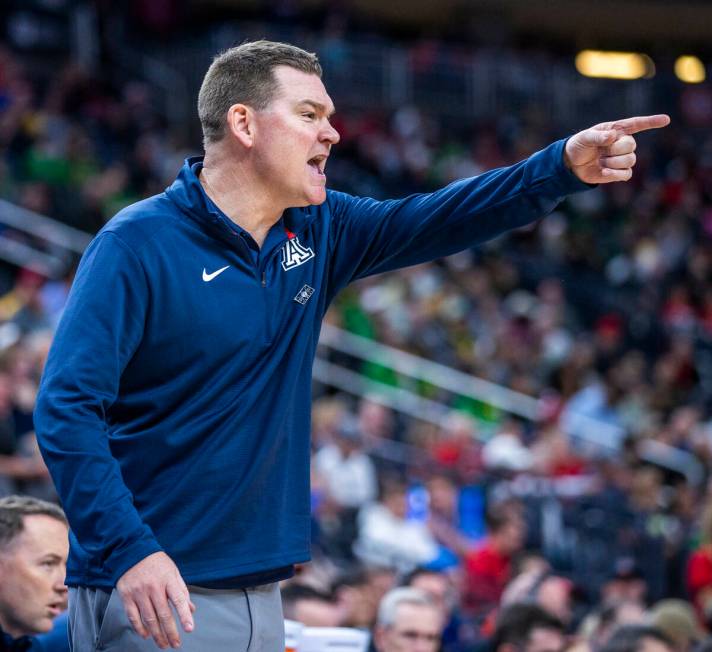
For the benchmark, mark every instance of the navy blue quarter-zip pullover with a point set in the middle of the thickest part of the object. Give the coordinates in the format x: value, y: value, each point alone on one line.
x: 174, y: 408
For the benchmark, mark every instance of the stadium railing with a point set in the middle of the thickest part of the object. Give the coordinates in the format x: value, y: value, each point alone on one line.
x: 37, y: 242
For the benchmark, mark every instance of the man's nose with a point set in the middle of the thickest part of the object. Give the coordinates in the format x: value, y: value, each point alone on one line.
x: 59, y: 586
x: 330, y: 134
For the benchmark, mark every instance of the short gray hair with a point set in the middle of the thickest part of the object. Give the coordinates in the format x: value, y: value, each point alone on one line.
x: 395, y: 598
x: 245, y: 75
x: 13, y: 510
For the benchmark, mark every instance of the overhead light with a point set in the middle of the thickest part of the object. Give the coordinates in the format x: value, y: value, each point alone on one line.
x: 614, y: 65
x: 690, y: 70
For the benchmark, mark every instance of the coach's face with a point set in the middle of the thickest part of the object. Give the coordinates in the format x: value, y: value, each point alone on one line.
x: 293, y: 138
x: 32, y: 570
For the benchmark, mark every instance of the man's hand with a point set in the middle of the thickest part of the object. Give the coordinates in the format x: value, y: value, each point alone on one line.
x: 147, y: 590
x: 606, y: 152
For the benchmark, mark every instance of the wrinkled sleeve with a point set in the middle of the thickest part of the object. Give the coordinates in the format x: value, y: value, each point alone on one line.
x: 369, y: 236
x: 100, y: 329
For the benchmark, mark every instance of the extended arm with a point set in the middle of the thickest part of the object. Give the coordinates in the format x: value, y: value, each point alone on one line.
x: 370, y: 236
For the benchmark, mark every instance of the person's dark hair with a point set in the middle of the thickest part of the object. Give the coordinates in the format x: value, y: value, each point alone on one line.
x: 351, y: 578
x: 391, y: 483
x: 13, y: 510
x: 525, y: 557
x: 629, y: 638
x: 417, y: 572
x: 517, y: 621
x: 293, y: 592
x: 245, y: 75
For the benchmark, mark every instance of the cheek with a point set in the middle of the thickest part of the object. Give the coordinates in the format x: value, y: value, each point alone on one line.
x: 20, y: 593
x: 37, y: 582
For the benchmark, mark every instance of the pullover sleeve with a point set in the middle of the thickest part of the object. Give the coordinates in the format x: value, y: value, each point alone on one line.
x: 99, y: 332
x: 370, y: 237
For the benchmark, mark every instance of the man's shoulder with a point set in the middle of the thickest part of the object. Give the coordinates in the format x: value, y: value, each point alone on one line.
x: 141, y: 221
x: 482, y: 554
x: 336, y: 200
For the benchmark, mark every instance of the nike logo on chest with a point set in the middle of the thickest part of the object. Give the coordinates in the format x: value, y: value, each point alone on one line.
x: 209, y: 277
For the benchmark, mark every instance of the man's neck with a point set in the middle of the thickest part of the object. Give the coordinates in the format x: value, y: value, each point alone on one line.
x: 238, y: 193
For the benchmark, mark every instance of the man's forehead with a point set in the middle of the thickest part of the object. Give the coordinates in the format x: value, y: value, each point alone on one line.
x: 418, y: 615
x: 41, y: 531
x: 297, y: 87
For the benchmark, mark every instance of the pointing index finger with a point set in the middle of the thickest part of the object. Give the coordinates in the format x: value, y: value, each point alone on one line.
x: 640, y: 123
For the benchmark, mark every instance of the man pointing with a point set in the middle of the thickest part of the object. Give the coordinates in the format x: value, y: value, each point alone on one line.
x: 174, y: 408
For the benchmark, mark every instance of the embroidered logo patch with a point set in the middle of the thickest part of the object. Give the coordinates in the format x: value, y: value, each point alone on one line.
x: 295, y: 254
x: 304, y: 294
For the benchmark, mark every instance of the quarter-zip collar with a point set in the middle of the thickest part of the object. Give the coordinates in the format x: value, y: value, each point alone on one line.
x: 188, y: 194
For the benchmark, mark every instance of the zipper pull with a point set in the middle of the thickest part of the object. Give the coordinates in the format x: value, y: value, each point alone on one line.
x: 264, y: 279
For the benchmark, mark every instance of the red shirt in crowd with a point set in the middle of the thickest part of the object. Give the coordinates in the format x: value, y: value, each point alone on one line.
x: 487, y: 573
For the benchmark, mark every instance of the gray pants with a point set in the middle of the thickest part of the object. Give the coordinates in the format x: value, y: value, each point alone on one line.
x: 238, y: 620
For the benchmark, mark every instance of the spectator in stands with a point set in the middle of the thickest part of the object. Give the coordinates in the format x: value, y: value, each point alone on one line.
x: 327, y: 414
x: 550, y: 591
x: 488, y: 568
x: 21, y: 466
x: 387, y: 537
x: 456, y: 447
x: 436, y: 584
x: 376, y: 421
x: 310, y: 607
x: 344, y: 479
x: 526, y: 627
x: 23, y: 304
x: 408, y: 621
x: 443, y: 517
x: 677, y: 620
x: 699, y: 569
x: 505, y: 451
x: 638, y: 638
x: 599, y: 625
x: 33, y: 556
x: 625, y: 583
x: 357, y: 597
x: 440, y: 587
x: 348, y: 471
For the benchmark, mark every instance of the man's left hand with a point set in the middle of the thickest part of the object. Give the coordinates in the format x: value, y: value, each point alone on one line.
x: 606, y: 152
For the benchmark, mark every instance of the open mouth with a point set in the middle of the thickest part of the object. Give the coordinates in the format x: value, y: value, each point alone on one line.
x: 318, y: 163
x: 55, y: 609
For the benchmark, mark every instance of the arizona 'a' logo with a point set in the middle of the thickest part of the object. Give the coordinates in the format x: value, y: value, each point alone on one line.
x: 295, y: 254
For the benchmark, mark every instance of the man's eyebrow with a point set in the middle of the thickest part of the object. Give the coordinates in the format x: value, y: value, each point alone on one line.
x: 51, y: 557
x: 321, y: 108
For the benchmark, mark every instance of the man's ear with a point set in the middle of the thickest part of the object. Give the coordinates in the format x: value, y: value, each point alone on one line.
x: 240, y: 124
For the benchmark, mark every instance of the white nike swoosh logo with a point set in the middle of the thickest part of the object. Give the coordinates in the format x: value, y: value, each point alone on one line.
x: 209, y: 277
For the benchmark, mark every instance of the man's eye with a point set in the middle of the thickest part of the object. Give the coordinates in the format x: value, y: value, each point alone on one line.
x: 311, y: 115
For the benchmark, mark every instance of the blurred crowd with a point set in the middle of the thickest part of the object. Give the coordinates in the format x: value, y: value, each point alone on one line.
x: 537, y: 535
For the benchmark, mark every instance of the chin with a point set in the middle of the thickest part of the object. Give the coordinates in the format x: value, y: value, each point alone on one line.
x: 43, y: 626
x: 318, y: 197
